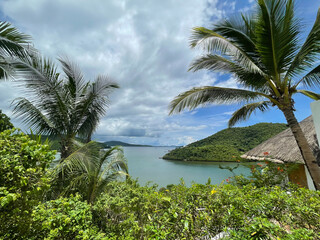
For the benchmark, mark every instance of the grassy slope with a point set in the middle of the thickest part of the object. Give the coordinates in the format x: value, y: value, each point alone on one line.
x: 227, y: 143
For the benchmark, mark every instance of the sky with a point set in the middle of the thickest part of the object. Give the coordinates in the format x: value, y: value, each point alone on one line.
x: 143, y: 45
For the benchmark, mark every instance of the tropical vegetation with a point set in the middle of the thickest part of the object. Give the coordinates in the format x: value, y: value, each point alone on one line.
x: 130, y: 211
x: 88, y: 170
x: 65, y: 106
x: 264, y: 53
x: 5, y: 123
x: 226, y: 145
x: 23, y: 180
x: 260, y: 207
x: 13, y: 45
x: 79, y: 199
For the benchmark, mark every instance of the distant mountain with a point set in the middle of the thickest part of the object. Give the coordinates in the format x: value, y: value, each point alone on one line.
x: 119, y: 143
x: 226, y: 145
x: 55, y: 144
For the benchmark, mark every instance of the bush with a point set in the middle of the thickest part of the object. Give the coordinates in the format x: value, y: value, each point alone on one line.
x: 5, y: 123
x: 247, y: 212
x: 243, y: 209
x: 23, y: 180
x: 266, y: 174
x: 64, y: 218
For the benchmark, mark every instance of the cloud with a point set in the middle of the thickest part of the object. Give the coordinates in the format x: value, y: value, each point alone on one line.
x: 143, y: 45
x: 185, y: 140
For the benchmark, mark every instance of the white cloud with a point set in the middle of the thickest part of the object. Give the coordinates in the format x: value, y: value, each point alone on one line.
x: 143, y: 45
x: 185, y: 140
x: 229, y: 83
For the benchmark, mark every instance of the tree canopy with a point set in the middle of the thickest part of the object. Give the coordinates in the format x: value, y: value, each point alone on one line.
x: 264, y: 53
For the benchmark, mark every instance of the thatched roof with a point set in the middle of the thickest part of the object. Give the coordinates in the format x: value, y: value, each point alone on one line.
x: 283, y: 147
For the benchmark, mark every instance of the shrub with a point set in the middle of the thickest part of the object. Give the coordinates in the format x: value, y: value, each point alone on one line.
x: 5, y: 123
x: 266, y: 174
x: 23, y: 180
x: 64, y: 218
x: 180, y: 212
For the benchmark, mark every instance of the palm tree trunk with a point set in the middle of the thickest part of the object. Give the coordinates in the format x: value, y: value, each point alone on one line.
x: 66, y: 147
x: 306, y: 152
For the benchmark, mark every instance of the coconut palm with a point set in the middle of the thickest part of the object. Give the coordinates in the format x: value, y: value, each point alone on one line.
x: 66, y: 105
x: 263, y: 52
x: 88, y: 170
x: 13, y: 44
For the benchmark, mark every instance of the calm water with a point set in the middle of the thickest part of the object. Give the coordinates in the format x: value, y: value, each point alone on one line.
x: 145, y: 164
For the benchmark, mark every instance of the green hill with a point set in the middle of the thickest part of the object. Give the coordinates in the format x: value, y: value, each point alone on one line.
x: 226, y: 145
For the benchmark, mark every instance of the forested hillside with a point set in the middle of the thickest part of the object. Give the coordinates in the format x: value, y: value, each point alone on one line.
x: 226, y: 145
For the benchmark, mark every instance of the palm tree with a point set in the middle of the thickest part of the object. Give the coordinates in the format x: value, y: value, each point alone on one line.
x: 263, y: 52
x: 64, y: 106
x: 88, y: 170
x: 13, y: 44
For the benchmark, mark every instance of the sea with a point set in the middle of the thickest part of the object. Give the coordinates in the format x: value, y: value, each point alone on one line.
x: 146, y: 165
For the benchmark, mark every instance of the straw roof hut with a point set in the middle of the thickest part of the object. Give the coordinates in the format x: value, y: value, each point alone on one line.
x: 283, y: 148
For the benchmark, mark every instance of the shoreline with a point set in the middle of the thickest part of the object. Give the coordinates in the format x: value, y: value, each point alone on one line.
x: 206, y: 161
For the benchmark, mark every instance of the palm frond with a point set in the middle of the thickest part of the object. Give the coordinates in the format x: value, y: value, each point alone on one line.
x: 212, y: 63
x: 109, y: 153
x: 31, y: 115
x: 85, y: 158
x: 276, y: 32
x: 240, y: 31
x: 74, y: 105
x: 6, y: 68
x: 311, y: 79
x: 46, y: 92
x: 38, y: 74
x: 245, y: 112
x: 219, y: 63
x: 310, y: 94
x: 94, y: 105
x: 211, y: 41
x: 76, y: 82
x: 307, y: 54
x: 205, y: 95
x: 87, y: 170
x: 13, y: 42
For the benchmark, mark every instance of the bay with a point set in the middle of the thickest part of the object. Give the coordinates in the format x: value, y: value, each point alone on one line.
x: 145, y: 163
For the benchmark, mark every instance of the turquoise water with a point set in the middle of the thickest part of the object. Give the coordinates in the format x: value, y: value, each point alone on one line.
x: 145, y: 164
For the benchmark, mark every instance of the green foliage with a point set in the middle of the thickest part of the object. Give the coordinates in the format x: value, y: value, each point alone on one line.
x: 251, y: 208
x: 23, y: 180
x: 262, y: 50
x: 266, y: 174
x: 227, y: 144
x: 88, y: 170
x: 54, y: 141
x: 129, y: 211
x: 61, y: 105
x: 13, y: 44
x: 5, y: 123
x: 64, y: 218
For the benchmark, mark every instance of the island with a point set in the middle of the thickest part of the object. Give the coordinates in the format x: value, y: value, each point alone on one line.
x: 226, y: 145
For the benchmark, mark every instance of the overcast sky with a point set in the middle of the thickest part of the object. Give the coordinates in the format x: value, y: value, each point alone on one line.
x: 144, y: 46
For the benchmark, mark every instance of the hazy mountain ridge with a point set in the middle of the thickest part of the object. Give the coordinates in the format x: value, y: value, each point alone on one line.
x: 119, y: 143
x: 55, y: 145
